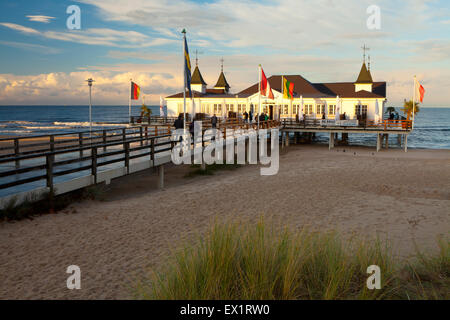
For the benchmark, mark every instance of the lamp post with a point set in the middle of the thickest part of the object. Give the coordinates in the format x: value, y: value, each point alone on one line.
x: 90, y: 81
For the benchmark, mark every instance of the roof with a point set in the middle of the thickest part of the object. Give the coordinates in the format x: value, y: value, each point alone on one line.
x: 347, y: 90
x: 301, y: 87
x: 364, y: 75
x: 197, y: 77
x: 222, y: 82
x: 210, y: 93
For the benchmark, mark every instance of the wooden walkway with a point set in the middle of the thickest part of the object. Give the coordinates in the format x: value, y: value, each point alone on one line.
x: 60, y: 163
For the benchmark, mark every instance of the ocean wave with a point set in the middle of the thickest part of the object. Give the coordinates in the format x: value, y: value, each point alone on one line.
x: 87, y: 124
x: 15, y: 131
x: 17, y: 122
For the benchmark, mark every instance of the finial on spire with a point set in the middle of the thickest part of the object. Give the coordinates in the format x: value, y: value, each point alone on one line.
x: 368, y: 62
x: 364, y: 52
x: 196, y: 57
x: 221, y: 64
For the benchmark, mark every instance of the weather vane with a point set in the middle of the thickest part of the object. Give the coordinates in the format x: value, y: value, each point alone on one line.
x: 364, y: 52
x: 221, y: 64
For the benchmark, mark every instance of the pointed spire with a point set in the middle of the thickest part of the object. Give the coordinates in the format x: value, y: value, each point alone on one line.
x: 364, y: 75
x: 222, y: 82
x: 197, y: 77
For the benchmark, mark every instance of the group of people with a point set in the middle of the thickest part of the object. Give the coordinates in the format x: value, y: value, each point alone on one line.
x: 394, y: 116
x: 248, y: 117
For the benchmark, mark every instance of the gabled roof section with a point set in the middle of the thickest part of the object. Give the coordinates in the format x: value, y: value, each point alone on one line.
x: 347, y: 90
x: 197, y: 77
x: 364, y: 75
x: 301, y: 87
x: 222, y: 82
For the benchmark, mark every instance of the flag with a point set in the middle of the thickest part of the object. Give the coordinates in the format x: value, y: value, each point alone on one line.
x: 161, y: 107
x: 420, y: 90
x: 266, y: 90
x: 288, y: 89
x: 187, y: 66
x: 135, y: 91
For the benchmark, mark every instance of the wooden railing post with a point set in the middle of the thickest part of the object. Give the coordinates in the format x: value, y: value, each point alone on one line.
x: 156, y: 130
x: 141, y: 136
x: 49, y: 173
x: 126, y: 146
x: 104, y: 140
x: 152, y: 151
x: 17, y: 151
x: 124, y: 134
x: 94, y: 163
x: 80, y: 143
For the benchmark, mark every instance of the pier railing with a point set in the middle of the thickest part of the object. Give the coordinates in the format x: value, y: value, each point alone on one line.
x: 89, y: 152
x: 19, y: 146
x: 357, y: 124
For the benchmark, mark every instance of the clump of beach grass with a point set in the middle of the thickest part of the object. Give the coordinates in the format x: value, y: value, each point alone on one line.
x: 34, y: 205
x: 265, y: 261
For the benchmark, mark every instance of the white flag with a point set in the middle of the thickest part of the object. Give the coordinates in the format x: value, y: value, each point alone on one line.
x: 161, y: 107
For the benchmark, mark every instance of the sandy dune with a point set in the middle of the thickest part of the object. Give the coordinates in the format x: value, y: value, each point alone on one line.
x: 401, y: 197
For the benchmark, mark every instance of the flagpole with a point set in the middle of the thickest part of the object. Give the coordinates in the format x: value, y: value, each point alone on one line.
x: 414, y: 102
x: 129, y: 103
x: 282, y: 96
x: 259, y: 94
x: 184, y: 73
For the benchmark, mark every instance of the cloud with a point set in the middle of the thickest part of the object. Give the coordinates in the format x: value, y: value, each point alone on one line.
x: 43, y: 19
x: 31, y: 47
x: 20, y: 28
x: 96, y: 36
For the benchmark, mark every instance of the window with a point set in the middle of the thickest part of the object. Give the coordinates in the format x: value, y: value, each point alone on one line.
x: 308, y: 108
x: 286, y: 109
x: 361, y: 109
x: 217, y: 108
x: 230, y: 107
x: 320, y: 108
x: 332, y: 109
x: 294, y: 108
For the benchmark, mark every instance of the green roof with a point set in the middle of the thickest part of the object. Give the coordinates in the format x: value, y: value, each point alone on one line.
x: 197, y: 77
x: 364, y: 75
x: 222, y: 82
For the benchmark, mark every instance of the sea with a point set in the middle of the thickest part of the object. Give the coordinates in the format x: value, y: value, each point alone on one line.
x: 431, y: 130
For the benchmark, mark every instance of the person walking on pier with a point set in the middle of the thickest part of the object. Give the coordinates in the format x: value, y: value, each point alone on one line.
x: 214, y: 121
x: 245, y: 116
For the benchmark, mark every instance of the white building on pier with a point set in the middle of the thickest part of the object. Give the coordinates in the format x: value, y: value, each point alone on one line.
x: 361, y: 99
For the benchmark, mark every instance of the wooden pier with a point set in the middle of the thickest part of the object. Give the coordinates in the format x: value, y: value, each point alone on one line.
x: 61, y: 163
x: 383, y: 129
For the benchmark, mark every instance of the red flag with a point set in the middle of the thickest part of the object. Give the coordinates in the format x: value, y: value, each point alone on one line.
x: 135, y: 91
x: 266, y: 90
x: 420, y: 90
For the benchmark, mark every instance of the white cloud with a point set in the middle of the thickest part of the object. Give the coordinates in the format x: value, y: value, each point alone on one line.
x: 20, y: 28
x: 96, y: 36
x: 43, y: 19
x: 31, y: 47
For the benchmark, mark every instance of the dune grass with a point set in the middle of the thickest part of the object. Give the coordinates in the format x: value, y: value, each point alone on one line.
x: 260, y: 261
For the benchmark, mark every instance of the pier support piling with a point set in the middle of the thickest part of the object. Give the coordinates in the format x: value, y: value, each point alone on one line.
x: 331, y: 141
x: 378, y: 142
x: 405, y: 142
x: 161, y: 177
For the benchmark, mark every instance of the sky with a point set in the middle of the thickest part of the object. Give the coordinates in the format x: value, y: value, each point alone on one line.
x: 43, y: 62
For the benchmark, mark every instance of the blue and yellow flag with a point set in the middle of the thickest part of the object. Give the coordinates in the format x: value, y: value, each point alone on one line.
x: 187, y: 66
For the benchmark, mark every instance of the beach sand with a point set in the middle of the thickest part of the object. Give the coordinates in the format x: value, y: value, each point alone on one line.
x: 402, y: 197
